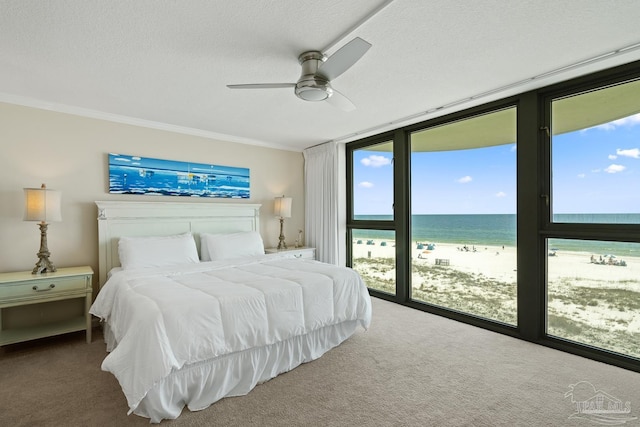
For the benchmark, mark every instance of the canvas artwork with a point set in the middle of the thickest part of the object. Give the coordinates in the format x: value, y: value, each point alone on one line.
x: 145, y: 175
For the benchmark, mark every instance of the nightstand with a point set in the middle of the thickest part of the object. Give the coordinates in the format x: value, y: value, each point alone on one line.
x: 24, y: 288
x: 302, y: 252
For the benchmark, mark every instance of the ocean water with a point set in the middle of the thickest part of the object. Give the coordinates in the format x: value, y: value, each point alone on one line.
x: 500, y: 229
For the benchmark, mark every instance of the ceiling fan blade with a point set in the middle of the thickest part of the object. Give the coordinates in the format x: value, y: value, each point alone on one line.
x: 340, y: 101
x: 343, y: 59
x: 262, y: 86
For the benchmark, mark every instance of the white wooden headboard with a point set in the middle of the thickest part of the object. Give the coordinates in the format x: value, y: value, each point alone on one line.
x: 136, y: 219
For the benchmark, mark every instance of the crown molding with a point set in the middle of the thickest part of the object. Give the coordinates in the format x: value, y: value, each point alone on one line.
x: 110, y: 117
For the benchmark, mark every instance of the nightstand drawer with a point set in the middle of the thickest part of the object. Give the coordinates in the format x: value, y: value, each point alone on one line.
x: 39, y: 287
x: 304, y: 252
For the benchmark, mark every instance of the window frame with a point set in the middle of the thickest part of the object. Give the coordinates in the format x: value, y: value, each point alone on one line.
x: 581, y: 231
x: 577, y: 230
x: 533, y: 168
x: 395, y: 224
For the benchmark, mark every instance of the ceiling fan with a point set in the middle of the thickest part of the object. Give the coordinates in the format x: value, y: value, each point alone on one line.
x: 318, y: 71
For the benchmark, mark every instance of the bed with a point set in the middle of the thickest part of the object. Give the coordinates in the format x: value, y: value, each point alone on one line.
x: 181, y: 331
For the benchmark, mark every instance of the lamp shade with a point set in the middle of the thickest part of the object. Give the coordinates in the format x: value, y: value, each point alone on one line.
x: 282, y: 207
x: 42, y: 204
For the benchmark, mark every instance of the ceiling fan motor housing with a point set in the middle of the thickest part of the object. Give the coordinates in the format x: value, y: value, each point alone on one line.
x: 318, y: 70
x: 311, y: 87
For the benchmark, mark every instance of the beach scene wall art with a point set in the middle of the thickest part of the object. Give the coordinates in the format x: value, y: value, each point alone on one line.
x: 145, y: 175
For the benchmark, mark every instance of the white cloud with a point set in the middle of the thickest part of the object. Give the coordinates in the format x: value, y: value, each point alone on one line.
x: 365, y: 184
x: 514, y: 148
x: 595, y: 170
x: 464, y: 179
x: 376, y: 161
x: 631, y: 120
x: 581, y: 175
x: 612, y: 157
x: 613, y: 168
x: 501, y: 194
x: 631, y: 152
x: 625, y: 121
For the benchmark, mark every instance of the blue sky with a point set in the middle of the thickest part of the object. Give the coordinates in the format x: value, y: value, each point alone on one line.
x: 595, y: 170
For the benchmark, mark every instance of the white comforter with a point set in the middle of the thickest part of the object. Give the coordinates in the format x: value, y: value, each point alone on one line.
x: 166, y: 318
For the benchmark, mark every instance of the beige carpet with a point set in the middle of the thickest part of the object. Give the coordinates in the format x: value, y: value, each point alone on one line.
x: 409, y: 369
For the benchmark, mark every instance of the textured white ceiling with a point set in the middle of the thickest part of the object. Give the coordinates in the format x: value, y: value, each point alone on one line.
x: 166, y: 63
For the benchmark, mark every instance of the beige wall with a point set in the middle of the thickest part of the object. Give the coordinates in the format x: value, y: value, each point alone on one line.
x: 69, y: 153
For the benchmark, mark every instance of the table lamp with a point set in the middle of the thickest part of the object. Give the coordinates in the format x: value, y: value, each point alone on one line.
x: 282, y: 208
x: 42, y: 204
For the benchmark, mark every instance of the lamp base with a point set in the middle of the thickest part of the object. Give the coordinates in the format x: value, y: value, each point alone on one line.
x: 43, y: 265
x: 281, y: 244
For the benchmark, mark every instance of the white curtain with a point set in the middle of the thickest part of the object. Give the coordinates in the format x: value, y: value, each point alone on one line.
x: 321, y: 200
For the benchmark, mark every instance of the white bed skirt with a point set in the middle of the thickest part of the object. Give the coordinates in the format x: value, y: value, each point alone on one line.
x: 201, y: 384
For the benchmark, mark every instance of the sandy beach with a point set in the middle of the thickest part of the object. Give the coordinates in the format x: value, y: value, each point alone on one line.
x: 588, y: 302
x: 500, y: 263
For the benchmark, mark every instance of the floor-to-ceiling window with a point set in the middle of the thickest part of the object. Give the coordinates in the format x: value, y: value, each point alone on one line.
x: 463, y: 223
x: 433, y: 209
x: 593, y: 282
x: 372, y: 243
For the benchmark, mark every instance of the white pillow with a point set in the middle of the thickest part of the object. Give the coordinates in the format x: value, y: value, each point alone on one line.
x: 142, y: 252
x: 235, y: 245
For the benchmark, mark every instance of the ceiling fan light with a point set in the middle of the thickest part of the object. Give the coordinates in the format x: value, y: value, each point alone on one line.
x: 310, y: 93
